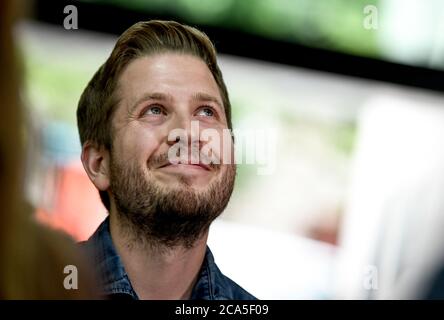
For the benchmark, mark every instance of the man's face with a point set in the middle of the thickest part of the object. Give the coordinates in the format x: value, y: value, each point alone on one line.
x: 159, y: 94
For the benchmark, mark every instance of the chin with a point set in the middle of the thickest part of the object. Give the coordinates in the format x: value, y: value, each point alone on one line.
x: 193, y: 179
x: 193, y: 182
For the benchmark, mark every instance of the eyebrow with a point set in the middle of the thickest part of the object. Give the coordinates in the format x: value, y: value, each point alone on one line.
x: 197, y: 97
x: 151, y: 96
x: 204, y: 97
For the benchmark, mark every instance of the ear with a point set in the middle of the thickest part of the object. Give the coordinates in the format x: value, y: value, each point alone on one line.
x: 96, y: 163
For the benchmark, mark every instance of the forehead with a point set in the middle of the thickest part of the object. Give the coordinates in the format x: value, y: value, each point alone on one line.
x: 178, y: 75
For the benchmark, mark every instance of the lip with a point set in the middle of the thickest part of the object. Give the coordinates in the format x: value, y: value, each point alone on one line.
x: 197, y: 166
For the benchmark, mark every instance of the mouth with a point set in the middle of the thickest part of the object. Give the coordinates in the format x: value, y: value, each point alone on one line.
x: 180, y: 166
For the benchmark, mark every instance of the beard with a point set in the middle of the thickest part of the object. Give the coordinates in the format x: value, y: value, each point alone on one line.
x: 151, y: 213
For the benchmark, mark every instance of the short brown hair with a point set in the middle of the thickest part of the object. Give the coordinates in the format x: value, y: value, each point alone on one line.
x: 99, y: 99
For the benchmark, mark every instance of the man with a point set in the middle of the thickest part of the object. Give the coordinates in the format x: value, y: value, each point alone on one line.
x: 160, y: 77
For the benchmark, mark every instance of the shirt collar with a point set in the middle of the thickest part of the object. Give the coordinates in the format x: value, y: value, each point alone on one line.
x: 210, y: 284
x: 108, y: 263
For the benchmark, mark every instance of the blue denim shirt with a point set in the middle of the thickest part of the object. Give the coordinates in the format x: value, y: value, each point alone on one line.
x: 211, y: 283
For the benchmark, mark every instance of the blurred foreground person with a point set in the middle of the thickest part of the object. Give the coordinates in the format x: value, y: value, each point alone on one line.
x: 32, y: 258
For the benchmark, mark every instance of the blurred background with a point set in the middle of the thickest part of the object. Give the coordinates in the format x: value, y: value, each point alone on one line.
x: 355, y: 92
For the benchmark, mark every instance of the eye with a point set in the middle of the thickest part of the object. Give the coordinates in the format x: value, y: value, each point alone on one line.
x: 154, y: 110
x: 206, y: 112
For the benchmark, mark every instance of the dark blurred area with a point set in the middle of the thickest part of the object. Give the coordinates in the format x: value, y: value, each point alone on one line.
x: 32, y: 257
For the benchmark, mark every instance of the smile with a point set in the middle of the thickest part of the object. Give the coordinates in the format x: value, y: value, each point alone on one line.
x: 183, y: 167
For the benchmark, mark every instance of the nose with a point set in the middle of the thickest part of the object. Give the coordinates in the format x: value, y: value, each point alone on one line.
x: 184, y: 138
x: 171, y: 142
x: 183, y: 129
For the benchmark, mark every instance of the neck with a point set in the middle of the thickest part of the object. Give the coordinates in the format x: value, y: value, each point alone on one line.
x: 158, y: 272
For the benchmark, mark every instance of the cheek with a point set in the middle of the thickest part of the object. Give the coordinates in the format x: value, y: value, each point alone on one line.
x: 227, y: 151
x: 137, y: 145
x: 220, y: 144
x: 226, y: 147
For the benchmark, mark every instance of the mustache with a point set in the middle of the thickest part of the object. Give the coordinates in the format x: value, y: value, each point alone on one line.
x: 156, y: 161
